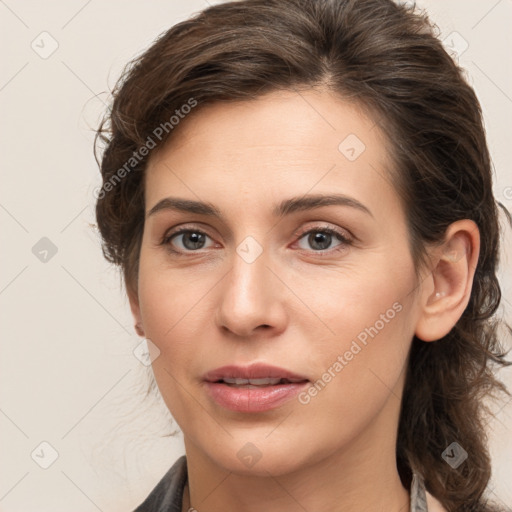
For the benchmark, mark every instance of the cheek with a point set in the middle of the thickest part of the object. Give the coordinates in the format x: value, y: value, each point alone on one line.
x: 170, y: 307
x: 361, y: 368
x: 170, y: 310
x: 363, y: 297
x: 371, y: 320
x: 169, y: 298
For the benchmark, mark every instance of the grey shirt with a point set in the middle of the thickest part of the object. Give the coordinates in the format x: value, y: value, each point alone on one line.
x: 167, y: 496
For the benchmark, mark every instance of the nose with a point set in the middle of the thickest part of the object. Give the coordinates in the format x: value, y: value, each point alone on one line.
x: 251, y: 299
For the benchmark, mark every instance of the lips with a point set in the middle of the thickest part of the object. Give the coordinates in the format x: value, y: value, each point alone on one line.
x: 254, y: 388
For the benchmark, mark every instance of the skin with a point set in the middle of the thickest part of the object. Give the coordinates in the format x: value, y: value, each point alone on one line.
x: 295, y: 306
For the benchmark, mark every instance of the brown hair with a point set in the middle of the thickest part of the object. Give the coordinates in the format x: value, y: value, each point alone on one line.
x: 387, y: 58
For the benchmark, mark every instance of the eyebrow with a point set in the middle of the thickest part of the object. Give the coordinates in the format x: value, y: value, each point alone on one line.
x: 286, y: 207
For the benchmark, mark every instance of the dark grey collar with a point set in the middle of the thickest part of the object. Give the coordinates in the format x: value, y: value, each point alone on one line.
x: 167, y: 496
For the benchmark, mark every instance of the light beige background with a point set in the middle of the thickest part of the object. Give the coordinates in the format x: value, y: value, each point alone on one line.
x: 68, y: 375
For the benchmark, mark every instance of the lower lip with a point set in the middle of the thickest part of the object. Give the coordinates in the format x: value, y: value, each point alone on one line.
x: 253, y: 399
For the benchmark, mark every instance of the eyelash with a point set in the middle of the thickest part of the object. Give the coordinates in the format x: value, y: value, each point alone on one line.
x: 345, y: 241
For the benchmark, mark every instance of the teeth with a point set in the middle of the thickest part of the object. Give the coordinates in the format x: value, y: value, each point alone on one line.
x: 253, y: 382
x: 263, y: 382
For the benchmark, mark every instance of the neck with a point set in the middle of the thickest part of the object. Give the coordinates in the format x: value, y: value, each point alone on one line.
x: 285, y: 494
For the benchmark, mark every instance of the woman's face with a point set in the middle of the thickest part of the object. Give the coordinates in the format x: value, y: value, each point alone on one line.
x: 262, y: 283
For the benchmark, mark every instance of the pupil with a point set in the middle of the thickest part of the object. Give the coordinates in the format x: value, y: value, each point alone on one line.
x: 196, y: 240
x: 323, y: 239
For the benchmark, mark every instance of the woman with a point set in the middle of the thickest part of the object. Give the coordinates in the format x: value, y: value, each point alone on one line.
x: 299, y: 195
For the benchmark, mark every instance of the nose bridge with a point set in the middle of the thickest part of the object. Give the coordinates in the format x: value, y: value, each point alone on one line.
x: 251, y: 294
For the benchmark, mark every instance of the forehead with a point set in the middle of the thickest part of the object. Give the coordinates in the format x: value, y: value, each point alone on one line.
x: 282, y: 143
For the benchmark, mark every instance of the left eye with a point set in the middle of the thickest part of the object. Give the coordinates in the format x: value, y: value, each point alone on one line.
x: 321, y: 239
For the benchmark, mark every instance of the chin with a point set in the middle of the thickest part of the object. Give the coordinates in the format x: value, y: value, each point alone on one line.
x: 259, y: 459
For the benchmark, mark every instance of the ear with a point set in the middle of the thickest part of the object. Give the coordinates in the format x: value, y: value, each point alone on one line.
x: 133, y: 297
x: 446, y: 290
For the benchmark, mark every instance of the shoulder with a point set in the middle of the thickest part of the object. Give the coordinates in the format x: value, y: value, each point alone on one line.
x: 435, y: 506
x: 167, y: 495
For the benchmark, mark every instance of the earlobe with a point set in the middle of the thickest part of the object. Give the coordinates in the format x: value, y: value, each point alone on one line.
x: 135, y: 308
x: 447, y: 289
x: 139, y: 330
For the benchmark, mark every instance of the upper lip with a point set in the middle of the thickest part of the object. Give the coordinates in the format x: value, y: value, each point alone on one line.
x: 253, y: 371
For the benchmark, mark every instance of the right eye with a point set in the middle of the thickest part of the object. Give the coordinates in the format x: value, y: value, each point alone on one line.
x: 185, y: 239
